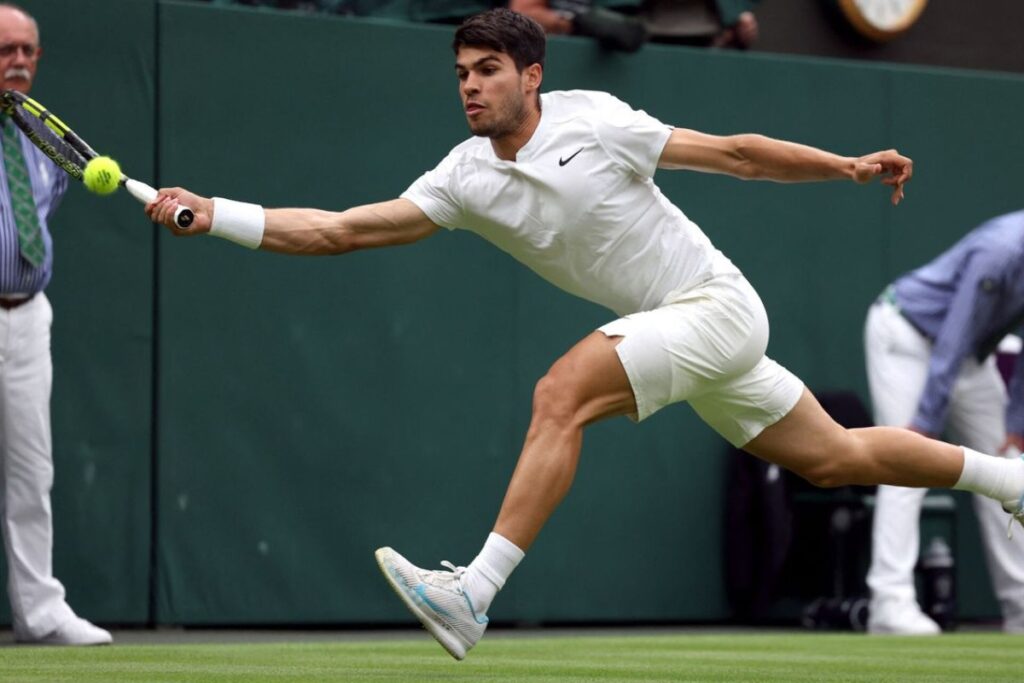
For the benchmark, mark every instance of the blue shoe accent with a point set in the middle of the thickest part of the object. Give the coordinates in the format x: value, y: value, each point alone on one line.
x: 480, y: 620
x: 421, y: 593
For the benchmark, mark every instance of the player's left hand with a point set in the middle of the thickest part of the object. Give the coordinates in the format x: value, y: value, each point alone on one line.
x: 895, y: 168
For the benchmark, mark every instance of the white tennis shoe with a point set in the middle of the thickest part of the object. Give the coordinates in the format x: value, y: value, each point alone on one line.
x: 75, y: 631
x: 900, y: 618
x: 438, y: 600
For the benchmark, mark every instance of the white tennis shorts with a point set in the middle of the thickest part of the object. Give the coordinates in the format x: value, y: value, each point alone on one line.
x: 706, y: 346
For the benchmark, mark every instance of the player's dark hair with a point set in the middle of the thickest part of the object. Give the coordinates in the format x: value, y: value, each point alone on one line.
x: 503, y: 30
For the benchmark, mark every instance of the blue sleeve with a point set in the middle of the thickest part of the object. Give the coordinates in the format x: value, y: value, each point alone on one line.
x: 1015, y: 409
x: 965, y: 324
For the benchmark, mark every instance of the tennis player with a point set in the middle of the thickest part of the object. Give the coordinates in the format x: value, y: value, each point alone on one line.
x: 563, y: 182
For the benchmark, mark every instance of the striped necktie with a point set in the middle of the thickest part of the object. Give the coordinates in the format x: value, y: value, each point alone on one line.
x: 30, y: 236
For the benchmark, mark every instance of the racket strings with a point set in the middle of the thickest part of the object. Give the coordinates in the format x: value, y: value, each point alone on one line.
x: 48, y: 139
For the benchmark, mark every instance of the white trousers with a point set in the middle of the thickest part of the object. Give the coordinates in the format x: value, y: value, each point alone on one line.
x: 897, y: 365
x: 26, y: 372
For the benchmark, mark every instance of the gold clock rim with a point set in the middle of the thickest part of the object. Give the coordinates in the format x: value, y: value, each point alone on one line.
x: 865, y: 27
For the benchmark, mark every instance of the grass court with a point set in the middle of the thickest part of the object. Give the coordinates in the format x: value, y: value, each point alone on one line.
x: 783, y: 657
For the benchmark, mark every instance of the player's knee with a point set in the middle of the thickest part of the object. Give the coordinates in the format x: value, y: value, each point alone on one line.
x: 553, y: 401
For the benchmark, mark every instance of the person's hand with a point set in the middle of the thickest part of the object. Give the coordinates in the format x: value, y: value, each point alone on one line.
x: 740, y: 35
x: 161, y: 210
x: 895, y: 168
x: 1013, y: 445
x: 746, y: 29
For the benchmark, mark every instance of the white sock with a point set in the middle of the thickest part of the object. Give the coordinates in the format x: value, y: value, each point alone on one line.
x: 992, y: 476
x: 486, y: 574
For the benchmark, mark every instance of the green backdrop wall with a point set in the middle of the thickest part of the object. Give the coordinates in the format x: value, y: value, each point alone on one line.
x: 236, y: 432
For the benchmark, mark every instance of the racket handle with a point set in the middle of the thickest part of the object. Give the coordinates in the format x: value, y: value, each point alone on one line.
x: 183, y: 217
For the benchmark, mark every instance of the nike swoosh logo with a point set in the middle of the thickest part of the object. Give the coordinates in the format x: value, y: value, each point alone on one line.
x: 563, y: 162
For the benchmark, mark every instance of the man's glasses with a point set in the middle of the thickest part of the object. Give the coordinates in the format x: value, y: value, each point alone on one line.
x: 27, y: 49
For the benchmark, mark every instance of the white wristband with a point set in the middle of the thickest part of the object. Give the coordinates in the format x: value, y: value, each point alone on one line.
x: 239, y: 222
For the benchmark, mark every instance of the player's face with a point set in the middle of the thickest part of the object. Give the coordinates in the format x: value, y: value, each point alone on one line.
x: 493, y: 92
x: 19, y: 50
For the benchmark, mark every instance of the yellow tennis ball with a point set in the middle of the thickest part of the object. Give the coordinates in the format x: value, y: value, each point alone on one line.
x: 102, y: 175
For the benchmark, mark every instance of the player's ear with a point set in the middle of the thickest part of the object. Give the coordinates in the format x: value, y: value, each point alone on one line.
x: 533, y: 74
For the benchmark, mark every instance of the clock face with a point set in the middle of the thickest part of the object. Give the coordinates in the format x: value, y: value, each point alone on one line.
x: 882, y: 19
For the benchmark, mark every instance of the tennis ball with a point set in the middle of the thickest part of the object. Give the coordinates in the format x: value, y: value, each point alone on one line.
x: 102, y: 175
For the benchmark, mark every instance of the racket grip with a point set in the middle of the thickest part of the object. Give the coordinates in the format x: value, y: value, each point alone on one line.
x: 183, y: 217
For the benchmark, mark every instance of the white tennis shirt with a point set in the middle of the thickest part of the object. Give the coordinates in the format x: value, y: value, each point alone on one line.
x: 578, y: 205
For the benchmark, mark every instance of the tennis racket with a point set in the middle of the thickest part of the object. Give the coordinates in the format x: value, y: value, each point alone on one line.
x: 66, y: 149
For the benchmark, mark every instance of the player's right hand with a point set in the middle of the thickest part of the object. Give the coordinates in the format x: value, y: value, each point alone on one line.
x: 161, y: 210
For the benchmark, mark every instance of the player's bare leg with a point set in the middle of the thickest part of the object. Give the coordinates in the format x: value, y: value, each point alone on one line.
x: 587, y: 384
x: 811, y: 444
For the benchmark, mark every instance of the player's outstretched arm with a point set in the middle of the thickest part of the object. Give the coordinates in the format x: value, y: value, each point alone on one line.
x: 311, y: 231
x: 296, y: 231
x: 753, y: 156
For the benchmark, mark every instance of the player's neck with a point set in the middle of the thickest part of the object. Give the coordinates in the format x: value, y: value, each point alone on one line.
x: 507, y: 146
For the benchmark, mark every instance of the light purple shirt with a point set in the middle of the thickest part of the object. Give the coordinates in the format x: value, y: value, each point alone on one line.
x: 965, y: 301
